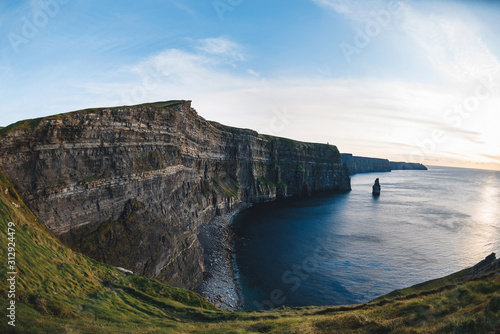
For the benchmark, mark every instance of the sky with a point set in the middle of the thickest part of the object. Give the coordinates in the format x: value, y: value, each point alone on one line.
x: 405, y: 80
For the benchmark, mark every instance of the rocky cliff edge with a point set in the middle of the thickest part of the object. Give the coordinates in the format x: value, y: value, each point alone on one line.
x: 130, y: 186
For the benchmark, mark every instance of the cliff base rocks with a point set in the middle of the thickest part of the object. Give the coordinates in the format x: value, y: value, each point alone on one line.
x: 220, y: 284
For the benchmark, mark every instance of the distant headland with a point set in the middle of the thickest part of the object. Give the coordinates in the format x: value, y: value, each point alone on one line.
x: 357, y: 164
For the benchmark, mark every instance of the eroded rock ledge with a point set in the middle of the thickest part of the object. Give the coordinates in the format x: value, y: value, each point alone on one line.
x: 131, y: 186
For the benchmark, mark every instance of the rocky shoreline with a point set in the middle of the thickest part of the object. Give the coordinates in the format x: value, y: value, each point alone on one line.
x: 220, y: 282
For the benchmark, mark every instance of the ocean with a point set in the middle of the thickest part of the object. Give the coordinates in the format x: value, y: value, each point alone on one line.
x: 338, y: 249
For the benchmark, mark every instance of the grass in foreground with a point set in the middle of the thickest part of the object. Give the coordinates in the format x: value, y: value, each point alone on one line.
x: 60, y: 291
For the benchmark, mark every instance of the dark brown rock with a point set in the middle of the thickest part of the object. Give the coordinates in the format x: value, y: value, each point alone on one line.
x: 376, y: 188
x: 486, y: 266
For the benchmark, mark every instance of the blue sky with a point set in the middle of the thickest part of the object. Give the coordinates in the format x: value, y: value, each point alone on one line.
x: 406, y: 80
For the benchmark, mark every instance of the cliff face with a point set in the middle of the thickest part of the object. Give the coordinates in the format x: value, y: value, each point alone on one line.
x: 371, y: 165
x: 364, y: 165
x: 407, y: 166
x: 131, y: 186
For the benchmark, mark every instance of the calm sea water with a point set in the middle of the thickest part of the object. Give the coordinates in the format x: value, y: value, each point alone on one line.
x: 351, y: 248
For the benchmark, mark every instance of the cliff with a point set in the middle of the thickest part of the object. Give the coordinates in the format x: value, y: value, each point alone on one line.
x: 407, y: 166
x: 370, y: 165
x: 131, y: 186
x: 364, y: 165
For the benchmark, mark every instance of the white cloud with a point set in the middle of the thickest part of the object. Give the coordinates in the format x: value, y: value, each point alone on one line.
x: 252, y: 72
x: 369, y: 117
x: 350, y: 113
x: 182, y: 70
x: 176, y: 66
x: 450, y: 45
x: 340, y: 6
x: 363, y: 116
x: 184, y: 7
x: 221, y: 46
x: 358, y: 11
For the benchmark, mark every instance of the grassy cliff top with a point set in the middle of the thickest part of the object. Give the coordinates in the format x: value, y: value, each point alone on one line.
x: 60, y: 291
x: 32, y: 123
x: 29, y: 124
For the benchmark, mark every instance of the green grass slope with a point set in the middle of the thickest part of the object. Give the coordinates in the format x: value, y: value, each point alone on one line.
x: 60, y: 291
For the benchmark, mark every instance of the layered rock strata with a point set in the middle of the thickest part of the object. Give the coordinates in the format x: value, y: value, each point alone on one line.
x: 131, y: 186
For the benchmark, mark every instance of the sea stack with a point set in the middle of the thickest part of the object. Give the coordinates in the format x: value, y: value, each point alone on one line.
x: 376, y: 188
